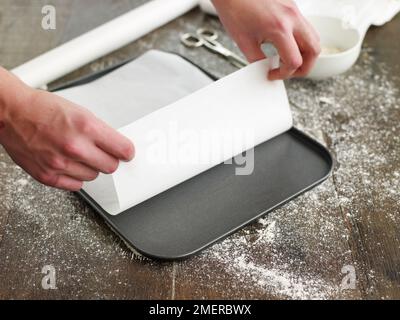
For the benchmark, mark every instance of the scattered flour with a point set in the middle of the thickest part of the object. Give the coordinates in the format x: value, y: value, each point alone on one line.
x: 22, y: 182
x: 296, y: 252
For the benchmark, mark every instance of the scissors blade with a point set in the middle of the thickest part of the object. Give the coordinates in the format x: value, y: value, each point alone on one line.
x: 237, y: 61
x: 218, y: 48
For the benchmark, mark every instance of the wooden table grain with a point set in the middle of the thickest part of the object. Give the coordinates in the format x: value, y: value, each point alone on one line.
x: 313, y: 247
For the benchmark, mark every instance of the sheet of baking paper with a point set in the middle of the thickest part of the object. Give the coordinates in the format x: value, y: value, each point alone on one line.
x: 244, y: 106
x: 178, y: 141
x: 142, y: 86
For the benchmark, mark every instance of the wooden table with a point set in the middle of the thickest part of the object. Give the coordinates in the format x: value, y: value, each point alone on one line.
x: 350, y: 223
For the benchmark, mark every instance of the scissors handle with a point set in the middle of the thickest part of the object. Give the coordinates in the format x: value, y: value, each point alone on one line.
x: 208, y: 38
x: 207, y: 34
x: 192, y: 41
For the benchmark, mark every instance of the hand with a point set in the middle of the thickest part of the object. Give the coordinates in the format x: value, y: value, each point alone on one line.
x: 253, y: 22
x: 57, y: 142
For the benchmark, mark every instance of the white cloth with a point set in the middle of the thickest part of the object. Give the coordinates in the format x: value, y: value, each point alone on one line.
x: 180, y: 121
x: 362, y: 13
x: 359, y: 13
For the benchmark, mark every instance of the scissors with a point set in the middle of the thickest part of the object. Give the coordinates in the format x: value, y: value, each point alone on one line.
x: 208, y: 39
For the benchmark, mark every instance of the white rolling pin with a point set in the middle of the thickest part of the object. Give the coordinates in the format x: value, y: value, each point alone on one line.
x: 97, y: 43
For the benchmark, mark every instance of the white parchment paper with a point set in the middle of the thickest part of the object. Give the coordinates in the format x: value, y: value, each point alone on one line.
x: 180, y: 121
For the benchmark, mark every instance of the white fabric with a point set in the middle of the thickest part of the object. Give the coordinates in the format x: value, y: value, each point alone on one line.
x: 145, y: 98
x: 360, y: 13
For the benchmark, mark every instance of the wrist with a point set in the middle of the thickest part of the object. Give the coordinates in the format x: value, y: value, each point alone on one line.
x: 14, y: 95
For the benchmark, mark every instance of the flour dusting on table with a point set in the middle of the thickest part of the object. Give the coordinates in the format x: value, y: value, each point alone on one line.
x: 296, y: 252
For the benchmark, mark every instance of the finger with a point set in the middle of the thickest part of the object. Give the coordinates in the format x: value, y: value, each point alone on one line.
x: 308, y: 35
x: 309, y: 62
x: 251, y: 49
x: 63, y: 166
x: 309, y: 46
x: 87, y: 153
x: 312, y: 30
x: 68, y: 183
x: 80, y: 171
x: 28, y: 165
x: 47, y: 177
x: 114, y: 143
x: 290, y: 56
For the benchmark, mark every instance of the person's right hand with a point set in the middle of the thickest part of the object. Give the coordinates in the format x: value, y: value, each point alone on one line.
x: 57, y: 142
x: 254, y: 22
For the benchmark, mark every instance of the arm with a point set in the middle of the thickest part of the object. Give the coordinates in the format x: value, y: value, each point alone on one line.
x: 253, y: 22
x: 57, y: 142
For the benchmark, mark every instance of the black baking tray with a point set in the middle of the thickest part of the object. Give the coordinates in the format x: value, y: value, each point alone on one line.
x: 207, y: 208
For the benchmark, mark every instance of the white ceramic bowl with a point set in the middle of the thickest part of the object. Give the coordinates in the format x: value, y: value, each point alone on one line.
x: 335, y: 35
